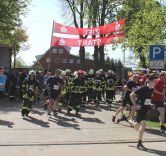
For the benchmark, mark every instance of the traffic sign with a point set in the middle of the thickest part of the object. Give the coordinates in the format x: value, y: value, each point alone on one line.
x: 156, y: 57
x: 156, y: 64
x: 157, y: 52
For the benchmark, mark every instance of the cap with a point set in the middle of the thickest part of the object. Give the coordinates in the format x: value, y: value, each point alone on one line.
x: 32, y: 72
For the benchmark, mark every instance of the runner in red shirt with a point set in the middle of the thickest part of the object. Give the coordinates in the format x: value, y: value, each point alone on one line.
x: 158, y: 97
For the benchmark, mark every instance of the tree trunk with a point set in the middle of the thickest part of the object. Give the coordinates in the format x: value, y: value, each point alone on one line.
x: 101, y: 48
x: 102, y: 57
x: 142, y: 57
x: 82, y: 58
x: 14, y: 63
x: 96, y: 57
x: 82, y: 49
x: 93, y: 17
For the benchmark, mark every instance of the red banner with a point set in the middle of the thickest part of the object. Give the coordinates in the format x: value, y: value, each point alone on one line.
x: 59, y: 41
x: 113, y: 27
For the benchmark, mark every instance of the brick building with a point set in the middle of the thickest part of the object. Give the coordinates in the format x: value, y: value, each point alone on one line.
x: 60, y: 58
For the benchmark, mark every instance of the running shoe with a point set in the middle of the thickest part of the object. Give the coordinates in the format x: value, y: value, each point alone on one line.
x: 113, y: 119
x: 162, y: 128
x: 55, y: 113
x: 140, y: 146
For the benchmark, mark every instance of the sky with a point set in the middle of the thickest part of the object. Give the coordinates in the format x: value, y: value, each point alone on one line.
x: 38, y: 23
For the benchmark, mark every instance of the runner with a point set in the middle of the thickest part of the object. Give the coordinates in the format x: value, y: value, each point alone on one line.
x: 129, y: 87
x: 54, y: 86
x: 29, y: 87
x: 141, y: 100
x: 90, y: 85
x: 157, y: 99
x: 76, y: 95
x: 110, y: 87
x: 98, y: 88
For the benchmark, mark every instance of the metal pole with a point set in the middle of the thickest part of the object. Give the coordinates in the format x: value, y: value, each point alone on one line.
x: 50, y: 50
x: 124, y: 62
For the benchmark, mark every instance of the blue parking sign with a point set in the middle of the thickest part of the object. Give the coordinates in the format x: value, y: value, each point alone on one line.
x: 156, y: 52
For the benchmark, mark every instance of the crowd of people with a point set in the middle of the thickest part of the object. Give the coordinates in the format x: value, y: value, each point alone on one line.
x: 142, y: 91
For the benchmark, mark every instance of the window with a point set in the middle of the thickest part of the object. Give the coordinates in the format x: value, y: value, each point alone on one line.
x: 60, y: 51
x: 64, y: 60
x: 48, y: 60
x: 71, y: 60
x: 78, y: 61
x: 54, y: 50
x: 57, y: 60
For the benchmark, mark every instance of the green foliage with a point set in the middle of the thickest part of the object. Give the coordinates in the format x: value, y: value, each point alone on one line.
x: 114, y: 65
x: 10, y: 16
x: 17, y: 40
x: 37, y: 67
x: 145, y: 25
x: 19, y: 63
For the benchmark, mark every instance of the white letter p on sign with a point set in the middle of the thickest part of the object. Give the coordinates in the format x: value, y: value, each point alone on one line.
x: 156, y: 51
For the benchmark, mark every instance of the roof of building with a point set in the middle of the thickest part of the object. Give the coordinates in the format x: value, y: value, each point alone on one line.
x: 39, y: 57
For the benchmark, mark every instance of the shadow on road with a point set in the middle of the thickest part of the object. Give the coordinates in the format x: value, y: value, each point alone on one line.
x: 35, y: 111
x: 157, y: 152
x: 153, y: 151
x: 94, y: 108
x: 37, y: 122
x: 6, y: 123
x: 65, y: 122
x: 97, y: 120
x: 85, y: 110
x: 155, y: 132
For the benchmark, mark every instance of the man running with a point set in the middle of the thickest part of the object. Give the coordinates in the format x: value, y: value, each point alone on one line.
x: 129, y: 87
x: 157, y: 99
x: 141, y: 100
x: 54, y: 86
x: 29, y: 88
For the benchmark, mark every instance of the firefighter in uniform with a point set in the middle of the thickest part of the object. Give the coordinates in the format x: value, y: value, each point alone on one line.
x: 68, y: 85
x: 110, y: 87
x: 61, y: 100
x: 98, y: 88
x: 102, y: 76
x: 29, y: 88
x: 76, y: 93
x: 90, y: 85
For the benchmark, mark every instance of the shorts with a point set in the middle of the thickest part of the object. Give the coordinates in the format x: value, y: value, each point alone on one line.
x: 126, y: 100
x: 158, y: 103
x: 141, y: 114
x: 54, y: 95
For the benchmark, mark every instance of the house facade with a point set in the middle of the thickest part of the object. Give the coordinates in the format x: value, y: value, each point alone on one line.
x: 60, y: 58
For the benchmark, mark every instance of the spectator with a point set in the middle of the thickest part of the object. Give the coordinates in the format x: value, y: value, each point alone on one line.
x: 3, y: 79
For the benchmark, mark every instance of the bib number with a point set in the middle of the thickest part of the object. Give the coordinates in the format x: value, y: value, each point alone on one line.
x: 147, y: 102
x: 1, y: 86
x: 56, y: 87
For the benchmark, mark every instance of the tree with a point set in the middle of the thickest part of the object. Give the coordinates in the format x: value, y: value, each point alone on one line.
x: 87, y: 55
x: 10, y: 16
x: 12, y: 34
x: 19, y: 63
x: 92, y: 13
x: 17, y: 42
x: 145, y: 25
x: 101, y: 12
x: 78, y: 9
x: 114, y: 65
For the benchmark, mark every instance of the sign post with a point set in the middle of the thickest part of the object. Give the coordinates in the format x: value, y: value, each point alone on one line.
x: 156, y: 59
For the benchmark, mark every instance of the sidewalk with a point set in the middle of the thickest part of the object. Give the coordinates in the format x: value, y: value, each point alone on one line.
x: 92, y: 134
